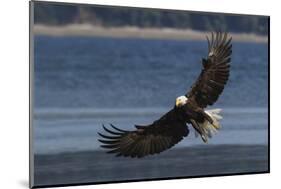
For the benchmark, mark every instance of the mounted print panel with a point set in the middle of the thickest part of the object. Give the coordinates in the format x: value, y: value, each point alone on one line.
x: 122, y: 94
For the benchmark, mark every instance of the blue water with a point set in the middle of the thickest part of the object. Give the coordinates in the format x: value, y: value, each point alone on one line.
x: 82, y: 82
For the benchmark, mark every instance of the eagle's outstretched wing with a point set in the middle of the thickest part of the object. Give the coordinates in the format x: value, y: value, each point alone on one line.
x: 214, y: 75
x: 171, y: 128
x: 155, y: 138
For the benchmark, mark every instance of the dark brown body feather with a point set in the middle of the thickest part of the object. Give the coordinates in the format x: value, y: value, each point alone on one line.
x: 171, y: 128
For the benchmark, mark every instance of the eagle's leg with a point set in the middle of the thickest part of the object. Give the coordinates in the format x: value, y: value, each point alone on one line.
x: 206, y: 116
x: 199, y: 130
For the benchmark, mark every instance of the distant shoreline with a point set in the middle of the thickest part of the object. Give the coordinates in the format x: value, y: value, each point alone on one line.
x: 135, y: 32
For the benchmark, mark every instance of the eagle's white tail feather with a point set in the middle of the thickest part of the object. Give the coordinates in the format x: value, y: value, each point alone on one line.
x: 209, y: 129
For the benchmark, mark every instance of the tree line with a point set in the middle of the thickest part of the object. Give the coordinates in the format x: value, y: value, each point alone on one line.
x: 62, y: 14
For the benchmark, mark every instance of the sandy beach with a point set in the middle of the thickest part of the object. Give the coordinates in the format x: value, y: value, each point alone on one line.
x: 134, y: 32
x: 97, y: 166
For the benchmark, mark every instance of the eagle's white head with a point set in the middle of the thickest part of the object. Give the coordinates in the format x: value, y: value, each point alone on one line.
x: 181, y: 101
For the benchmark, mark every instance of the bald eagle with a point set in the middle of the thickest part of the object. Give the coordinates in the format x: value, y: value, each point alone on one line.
x: 172, y: 127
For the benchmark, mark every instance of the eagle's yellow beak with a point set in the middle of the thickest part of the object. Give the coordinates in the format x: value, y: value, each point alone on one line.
x: 178, y: 102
